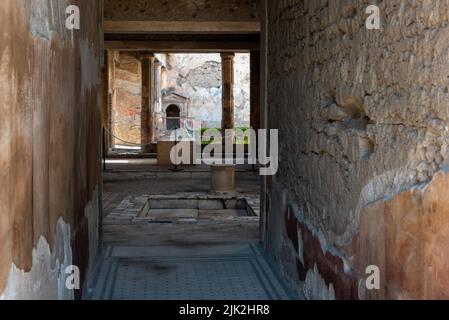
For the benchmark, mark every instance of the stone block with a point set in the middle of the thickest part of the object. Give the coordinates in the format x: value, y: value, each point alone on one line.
x: 173, y: 204
x: 210, y: 204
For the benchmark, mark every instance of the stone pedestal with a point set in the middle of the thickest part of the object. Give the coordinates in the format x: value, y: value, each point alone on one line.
x: 164, y: 148
x: 223, y: 178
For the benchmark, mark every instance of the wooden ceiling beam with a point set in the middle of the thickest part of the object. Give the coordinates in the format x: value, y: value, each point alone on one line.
x: 183, y: 46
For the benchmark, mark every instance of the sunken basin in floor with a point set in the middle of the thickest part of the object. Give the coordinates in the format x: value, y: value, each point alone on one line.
x: 195, y: 207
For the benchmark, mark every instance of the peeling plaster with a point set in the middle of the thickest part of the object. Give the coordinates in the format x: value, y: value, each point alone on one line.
x: 310, y: 84
x: 315, y: 287
x: 50, y: 131
x: 378, y: 188
x: 90, y: 66
x: 40, y: 26
x: 290, y: 200
x: 91, y: 213
x: 46, y: 280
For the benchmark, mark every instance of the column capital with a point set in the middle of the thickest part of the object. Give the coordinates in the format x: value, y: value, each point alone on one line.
x: 146, y: 56
x: 158, y: 63
x: 227, y: 55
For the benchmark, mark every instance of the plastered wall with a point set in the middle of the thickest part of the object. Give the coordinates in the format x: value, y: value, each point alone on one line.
x: 49, y: 146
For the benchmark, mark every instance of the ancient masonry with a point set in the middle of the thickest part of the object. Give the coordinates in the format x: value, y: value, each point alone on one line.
x: 366, y: 113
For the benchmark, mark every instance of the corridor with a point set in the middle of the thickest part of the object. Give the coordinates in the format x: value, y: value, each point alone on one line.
x: 224, y: 150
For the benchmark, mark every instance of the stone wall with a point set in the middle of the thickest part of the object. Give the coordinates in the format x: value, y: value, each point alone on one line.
x: 125, y: 116
x: 363, y: 120
x: 49, y: 151
x: 176, y: 10
x: 198, y: 77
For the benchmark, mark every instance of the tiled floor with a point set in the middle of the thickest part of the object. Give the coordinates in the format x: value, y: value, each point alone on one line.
x: 236, y: 272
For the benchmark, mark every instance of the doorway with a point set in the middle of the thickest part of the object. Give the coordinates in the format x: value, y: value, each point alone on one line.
x: 173, y: 114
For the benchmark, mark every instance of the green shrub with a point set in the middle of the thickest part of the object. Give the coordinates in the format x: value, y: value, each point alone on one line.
x: 238, y: 141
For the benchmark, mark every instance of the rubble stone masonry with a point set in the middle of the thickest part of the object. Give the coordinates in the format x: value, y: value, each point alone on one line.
x: 363, y: 120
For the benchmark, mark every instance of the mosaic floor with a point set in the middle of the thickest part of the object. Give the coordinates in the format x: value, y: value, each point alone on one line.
x: 236, y: 272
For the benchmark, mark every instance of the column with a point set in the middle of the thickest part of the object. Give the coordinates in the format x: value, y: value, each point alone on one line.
x: 105, y: 112
x: 112, y: 58
x: 227, y: 61
x: 157, y: 86
x: 255, y: 89
x: 163, y: 78
x: 147, y: 113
